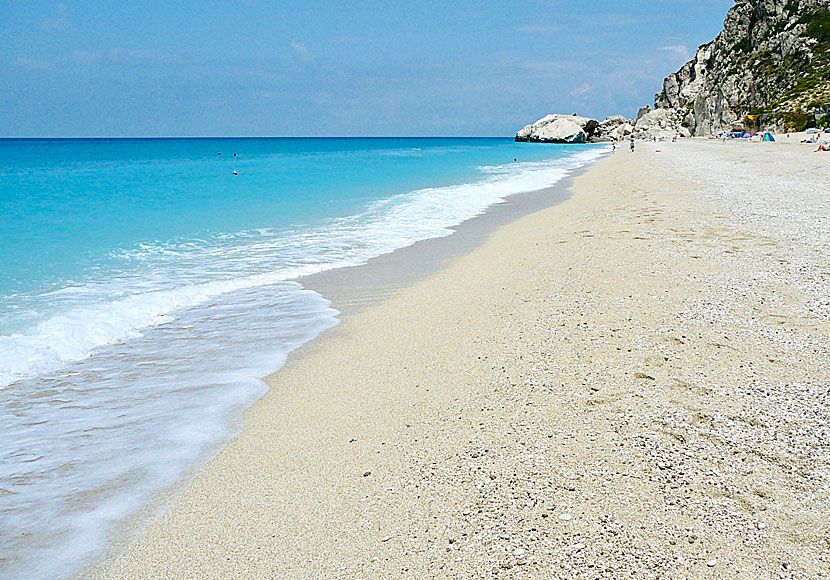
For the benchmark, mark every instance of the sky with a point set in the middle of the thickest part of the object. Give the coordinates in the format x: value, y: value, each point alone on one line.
x: 336, y: 68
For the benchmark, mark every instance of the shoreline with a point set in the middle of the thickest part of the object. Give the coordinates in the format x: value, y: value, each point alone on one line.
x: 351, y: 289
x: 575, y: 366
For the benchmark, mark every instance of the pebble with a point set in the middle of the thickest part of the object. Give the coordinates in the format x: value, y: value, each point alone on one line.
x: 762, y: 526
x: 367, y: 474
x: 518, y: 552
x: 712, y: 563
x: 565, y: 517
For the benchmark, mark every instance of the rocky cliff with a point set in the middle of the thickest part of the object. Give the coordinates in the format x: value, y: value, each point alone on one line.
x: 770, y: 66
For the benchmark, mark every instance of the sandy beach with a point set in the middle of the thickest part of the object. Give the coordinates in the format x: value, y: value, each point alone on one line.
x: 633, y: 382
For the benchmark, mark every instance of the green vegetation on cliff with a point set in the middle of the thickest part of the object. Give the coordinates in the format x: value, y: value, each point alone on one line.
x: 798, y: 108
x: 818, y: 24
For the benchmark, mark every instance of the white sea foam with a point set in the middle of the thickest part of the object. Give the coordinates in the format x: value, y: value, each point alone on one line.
x: 85, y: 447
x: 189, y: 273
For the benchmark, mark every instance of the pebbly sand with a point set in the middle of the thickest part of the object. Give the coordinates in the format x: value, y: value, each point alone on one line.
x: 634, y: 382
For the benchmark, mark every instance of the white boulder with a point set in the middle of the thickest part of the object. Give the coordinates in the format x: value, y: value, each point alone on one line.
x: 656, y: 118
x: 559, y: 129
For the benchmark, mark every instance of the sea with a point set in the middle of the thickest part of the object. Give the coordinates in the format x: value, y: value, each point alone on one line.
x: 148, y: 285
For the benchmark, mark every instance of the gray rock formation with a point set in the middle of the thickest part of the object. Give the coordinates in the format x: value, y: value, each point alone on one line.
x: 770, y: 62
x: 614, y: 128
x: 559, y: 129
x: 574, y: 129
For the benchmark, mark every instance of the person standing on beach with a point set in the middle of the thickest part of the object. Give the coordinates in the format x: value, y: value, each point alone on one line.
x: 614, y: 146
x: 632, y: 144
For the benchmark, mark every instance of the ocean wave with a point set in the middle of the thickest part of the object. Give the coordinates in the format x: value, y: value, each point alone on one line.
x: 184, y: 274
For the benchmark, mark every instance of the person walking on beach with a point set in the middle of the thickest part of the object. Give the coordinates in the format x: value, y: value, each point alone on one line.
x: 614, y: 146
x: 632, y: 144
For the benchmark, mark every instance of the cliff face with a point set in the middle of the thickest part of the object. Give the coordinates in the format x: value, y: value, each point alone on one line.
x: 771, y: 62
x: 768, y: 68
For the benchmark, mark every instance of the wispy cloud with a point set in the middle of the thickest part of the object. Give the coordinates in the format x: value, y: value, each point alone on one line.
x: 79, y: 59
x: 302, y: 50
x: 540, y: 29
x: 131, y: 55
x: 299, y: 47
x: 581, y: 90
x: 34, y: 64
x: 84, y: 58
x: 546, y: 66
x: 678, y: 50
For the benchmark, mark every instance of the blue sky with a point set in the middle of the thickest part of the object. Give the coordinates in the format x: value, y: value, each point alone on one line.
x: 312, y: 68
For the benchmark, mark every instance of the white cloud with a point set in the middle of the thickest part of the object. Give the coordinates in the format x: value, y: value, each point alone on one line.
x: 678, y: 50
x: 80, y: 59
x: 540, y: 29
x: 581, y: 90
x: 546, y: 67
x: 32, y: 64
x: 299, y: 48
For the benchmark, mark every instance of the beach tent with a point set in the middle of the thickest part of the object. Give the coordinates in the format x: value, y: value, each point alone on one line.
x: 768, y: 136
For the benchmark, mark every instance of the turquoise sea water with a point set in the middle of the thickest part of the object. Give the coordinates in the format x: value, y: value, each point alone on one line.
x: 145, y: 289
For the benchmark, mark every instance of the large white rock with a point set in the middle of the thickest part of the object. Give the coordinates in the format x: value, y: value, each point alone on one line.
x: 651, y: 119
x: 657, y: 123
x: 559, y: 129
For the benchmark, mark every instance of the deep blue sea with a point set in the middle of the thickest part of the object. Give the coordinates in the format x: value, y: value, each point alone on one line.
x: 147, y: 286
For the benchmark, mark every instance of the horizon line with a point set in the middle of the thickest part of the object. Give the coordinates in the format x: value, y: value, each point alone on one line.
x: 262, y: 137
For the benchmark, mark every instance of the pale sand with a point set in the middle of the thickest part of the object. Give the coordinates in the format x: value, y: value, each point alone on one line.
x: 651, y: 357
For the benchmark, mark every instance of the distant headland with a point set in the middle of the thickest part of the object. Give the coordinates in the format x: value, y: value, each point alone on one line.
x: 768, y: 69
